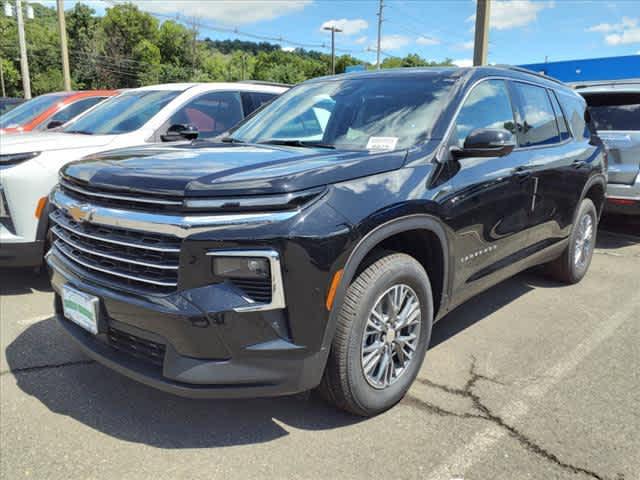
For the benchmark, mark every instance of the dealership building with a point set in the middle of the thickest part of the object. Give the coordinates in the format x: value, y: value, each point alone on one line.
x: 591, y: 69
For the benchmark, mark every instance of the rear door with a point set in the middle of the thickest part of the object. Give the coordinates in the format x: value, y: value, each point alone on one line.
x: 616, y: 117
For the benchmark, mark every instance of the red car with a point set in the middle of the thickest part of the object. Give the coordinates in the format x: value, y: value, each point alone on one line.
x: 50, y: 110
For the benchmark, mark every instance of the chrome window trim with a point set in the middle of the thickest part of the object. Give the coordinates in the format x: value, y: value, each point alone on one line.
x: 277, y: 285
x: 179, y: 226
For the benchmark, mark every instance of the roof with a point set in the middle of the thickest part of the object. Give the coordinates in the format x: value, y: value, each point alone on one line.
x: 241, y: 86
x: 631, y: 86
x: 485, y: 70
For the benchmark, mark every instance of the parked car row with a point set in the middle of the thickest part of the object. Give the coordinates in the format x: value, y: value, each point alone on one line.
x: 161, y: 113
x: 314, y: 243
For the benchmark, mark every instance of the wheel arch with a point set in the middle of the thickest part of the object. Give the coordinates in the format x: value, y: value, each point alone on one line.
x: 595, y: 189
x: 383, y: 236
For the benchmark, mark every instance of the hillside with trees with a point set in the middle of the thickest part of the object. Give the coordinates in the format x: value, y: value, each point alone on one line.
x: 128, y: 48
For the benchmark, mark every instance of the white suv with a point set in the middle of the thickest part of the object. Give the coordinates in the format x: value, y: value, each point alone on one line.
x: 29, y: 163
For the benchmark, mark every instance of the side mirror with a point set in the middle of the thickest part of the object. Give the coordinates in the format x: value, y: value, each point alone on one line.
x: 180, y: 132
x: 486, y: 142
x: 54, y: 124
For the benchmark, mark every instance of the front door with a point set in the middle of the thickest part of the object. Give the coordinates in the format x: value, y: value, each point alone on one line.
x: 490, y: 211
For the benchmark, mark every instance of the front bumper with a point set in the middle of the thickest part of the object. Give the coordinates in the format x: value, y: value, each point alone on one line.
x: 184, y: 345
x: 623, y: 199
x: 21, y: 255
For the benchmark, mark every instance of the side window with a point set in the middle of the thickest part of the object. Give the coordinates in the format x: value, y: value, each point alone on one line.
x: 251, y: 101
x: 487, y: 106
x: 75, y: 109
x: 537, y: 120
x: 211, y: 113
x: 575, y: 109
x: 562, y: 121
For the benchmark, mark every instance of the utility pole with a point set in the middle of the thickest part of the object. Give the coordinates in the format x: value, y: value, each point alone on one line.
x: 24, y: 62
x: 62, y: 24
x: 4, y: 92
x: 333, y: 29
x: 381, y: 6
x: 481, y: 43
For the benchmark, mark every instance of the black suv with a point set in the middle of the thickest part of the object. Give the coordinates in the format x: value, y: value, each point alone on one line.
x: 318, y: 242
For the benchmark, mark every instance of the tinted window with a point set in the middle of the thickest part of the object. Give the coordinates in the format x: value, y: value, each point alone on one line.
x: 537, y: 120
x: 348, y: 112
x: 29, y: 110
x: 211, y: 114
x: 562, y: 122
x: 487, y: 106
x: 75, y: 109
x: 260, y: 99
x: 574, y: 108
x: 615, y: 111
x: 122, y: 114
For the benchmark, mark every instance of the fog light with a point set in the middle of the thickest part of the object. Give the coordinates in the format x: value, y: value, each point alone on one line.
x: 241, y: 267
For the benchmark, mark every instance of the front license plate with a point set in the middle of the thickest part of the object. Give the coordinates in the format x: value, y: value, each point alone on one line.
x: 80, y: 308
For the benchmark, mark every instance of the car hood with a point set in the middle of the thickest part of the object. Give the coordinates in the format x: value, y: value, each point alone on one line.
x: 222, y: 170
x: 50, y: 141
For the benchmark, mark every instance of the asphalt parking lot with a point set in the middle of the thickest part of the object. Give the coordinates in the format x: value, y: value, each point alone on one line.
x: 531, y: 379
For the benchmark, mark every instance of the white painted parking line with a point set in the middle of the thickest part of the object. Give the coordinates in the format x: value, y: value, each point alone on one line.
x: 26, y: 322
x: 462, y: 460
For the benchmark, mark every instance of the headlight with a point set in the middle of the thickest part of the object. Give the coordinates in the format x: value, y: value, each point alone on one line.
x: 15, y: 158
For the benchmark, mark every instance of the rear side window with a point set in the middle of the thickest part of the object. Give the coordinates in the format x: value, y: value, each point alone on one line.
x: 487, y: 106
x: 615, y: 111
x: 574, y: 109
x: 211, y: 113
x: 536, y: 118
x: 251, y: 101
x: 562, y: 122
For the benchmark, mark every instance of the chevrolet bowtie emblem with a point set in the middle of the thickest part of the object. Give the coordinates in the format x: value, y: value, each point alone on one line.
x: 80, y: 213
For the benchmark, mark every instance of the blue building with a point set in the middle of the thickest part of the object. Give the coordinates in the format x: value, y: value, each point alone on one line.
x: 609, y: 68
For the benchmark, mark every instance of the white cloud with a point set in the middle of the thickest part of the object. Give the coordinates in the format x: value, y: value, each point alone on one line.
x: 393, y: 42
x: 288, y: 49
x: 623, y: 33
x: 348, y: 27
x: 466, y: 45
x: 508, y: 14
x: 464, y: 62
x: 236, y: 12
x: 361, y: 40
x: 424, y: 40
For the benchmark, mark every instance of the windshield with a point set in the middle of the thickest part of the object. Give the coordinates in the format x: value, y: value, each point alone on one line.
x: 615, y: 111
x: 122, y: 114
x: 29, y: 110
x: 358, y: 113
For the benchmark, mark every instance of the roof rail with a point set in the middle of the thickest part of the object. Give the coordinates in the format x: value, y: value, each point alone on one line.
x: 531, y: 72
x: 268, y: 84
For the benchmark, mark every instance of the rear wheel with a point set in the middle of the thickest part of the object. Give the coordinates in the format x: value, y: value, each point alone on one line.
x: 383, y: 331
x: 572, y: 266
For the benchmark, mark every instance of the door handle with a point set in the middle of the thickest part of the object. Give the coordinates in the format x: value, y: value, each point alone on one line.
x: 523, y: 173
x: 578, y: 163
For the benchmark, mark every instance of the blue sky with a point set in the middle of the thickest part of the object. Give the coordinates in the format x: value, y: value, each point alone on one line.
x: 522, y: 31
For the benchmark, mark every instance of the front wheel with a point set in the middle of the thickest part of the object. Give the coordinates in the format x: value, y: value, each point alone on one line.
x: 383, y: 331
x: 572, y: 266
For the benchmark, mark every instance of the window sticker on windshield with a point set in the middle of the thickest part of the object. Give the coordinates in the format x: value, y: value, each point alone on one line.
x: 382, y: 143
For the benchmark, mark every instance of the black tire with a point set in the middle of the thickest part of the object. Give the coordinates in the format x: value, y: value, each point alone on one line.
x: 565, y: 268
x: 344, y: 383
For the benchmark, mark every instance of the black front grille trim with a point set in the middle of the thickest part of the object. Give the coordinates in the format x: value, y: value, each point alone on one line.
x: 134, y: 346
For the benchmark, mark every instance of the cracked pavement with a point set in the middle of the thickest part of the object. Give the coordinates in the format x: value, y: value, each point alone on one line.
x: 529, y: 380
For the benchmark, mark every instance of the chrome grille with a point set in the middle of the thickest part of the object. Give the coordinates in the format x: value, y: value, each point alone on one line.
x: 146, y: 261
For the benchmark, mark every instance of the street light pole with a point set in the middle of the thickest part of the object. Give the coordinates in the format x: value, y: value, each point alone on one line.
x: 24, y: 62
x: 333, y: 29
x: 66, y: 74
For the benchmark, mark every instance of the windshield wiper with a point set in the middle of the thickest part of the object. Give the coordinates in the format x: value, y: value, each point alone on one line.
x: 297, y: 143
x: 80, y: 132
x: 230, y: 140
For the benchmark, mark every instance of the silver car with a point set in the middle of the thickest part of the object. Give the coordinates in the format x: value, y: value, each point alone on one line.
x: 615, y: 113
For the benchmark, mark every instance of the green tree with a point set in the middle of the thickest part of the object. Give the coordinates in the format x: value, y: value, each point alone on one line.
x: 82, y: 26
